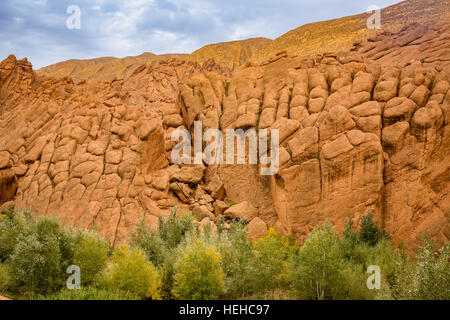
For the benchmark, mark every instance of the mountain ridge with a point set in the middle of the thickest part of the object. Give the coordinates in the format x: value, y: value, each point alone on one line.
x: 310, y: 39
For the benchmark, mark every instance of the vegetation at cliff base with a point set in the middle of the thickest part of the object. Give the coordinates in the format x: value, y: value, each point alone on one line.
x: 183, y: 259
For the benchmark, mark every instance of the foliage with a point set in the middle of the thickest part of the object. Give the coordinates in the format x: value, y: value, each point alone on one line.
x: 91, y: 255
x: 35, y: 263
x: 167, y: 274
x: 316, y: 270
x: 369, y: 231
x: 271, y: 261
x: 131, y: 272
x: 231, y: 203
x: 237, y: 261
x: 13, y: 226
x: 198, y: 275
x: 5, y: 278
x: 88, y: 293
x: 182, y: 261
x: 432, y: 273
x: 159, y: 246
x: 151, y: 243
x: 320, y: 271
x: 428, y: 278
x: 173, y: 229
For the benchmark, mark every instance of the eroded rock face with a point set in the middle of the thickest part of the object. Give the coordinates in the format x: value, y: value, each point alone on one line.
x: 93, y: 152
x: 356, y: 132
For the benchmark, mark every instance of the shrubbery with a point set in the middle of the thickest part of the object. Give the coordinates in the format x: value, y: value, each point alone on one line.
x: 37, y: 252
x: 197, y: 272
x: 91, y: 255
x: 159, y: 246
x: 183, y: 261
x: 369, y: 231
x: 5, y: 278
x: 12, y: 227
x: 318, y: 269
x: 428, y: 278
x: 271, y: 262
x: 89, y: 293
x: 238, y: 261
x: 132, y: 273
x: 36, y: 262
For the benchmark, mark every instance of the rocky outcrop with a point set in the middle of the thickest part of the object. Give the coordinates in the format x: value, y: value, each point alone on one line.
x: 92, y: 152
x: 339, y: 34
x: 230, y: 55
x: 356, y: 132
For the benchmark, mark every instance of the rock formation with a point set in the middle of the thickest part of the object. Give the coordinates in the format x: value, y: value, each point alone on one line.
x: 231, y: 55
x: 339, y: 34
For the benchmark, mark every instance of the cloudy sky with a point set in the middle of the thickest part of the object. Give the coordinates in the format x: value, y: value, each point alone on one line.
x: 37, y: 29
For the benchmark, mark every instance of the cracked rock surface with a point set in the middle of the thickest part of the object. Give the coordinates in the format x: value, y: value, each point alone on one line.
x: 359, y: 130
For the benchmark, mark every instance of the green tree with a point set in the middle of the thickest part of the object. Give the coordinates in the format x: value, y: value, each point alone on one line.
x: 151, y: 243
x: 13, y: 227
x: 173, y: 229
x: 432, y: 273
x: 237, y: 261
x: 130, y: 271
x: 198, y: 275
x: 91, y: 255
x: 319, y: 270
x: 35, y: 265
x: 369, y: 231
x: 316, y: 271
x: 271, y: 261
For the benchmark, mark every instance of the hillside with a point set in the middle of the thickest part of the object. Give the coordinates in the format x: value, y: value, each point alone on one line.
x: 107, y: 68
x: 230, y: 54
x: 340, y: 34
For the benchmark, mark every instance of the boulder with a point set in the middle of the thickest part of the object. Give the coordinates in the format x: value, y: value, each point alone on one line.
x: 189, y: 174
x: 256, y: 229
x: 242, y: 210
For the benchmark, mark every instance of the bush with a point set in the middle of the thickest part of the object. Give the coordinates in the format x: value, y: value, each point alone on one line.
x: 5, y: 278
x: 388, y: 259
x: 131, y: 272
x: 348, y: 242
x: 13, y: 226
x: 167, y: 274
x: 35, y: 263
x: 369, y: 231
x: 91, y: 255
x: 151, y: 243
x: 319, y: 271
x: 198, y: 275
x: 431, y: 273
x: 172, y: 229
x: 159, y: 246
x: 88, y: 293
x: 237, y: 261
x: 271, y: 261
